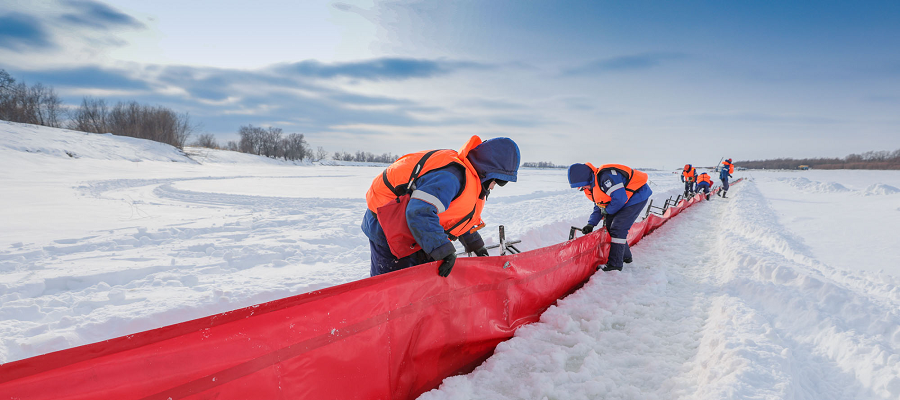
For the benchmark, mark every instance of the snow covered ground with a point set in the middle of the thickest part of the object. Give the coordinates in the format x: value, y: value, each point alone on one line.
x: 786, y: 290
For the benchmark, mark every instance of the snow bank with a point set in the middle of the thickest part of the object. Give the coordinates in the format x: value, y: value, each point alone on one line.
x: 63, y: 143
x: 809, y: 186
x: 879, y: 189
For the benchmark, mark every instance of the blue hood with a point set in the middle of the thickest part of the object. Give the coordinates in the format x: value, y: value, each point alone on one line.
x: 580, y: 175
x: 496, y: 158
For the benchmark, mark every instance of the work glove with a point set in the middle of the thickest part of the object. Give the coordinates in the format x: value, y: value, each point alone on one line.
x: 482, y: 252
x: 447, y: 265
x: 587, y: 229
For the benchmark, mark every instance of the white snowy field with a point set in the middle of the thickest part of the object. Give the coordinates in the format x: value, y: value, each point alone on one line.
x: 786, y: 290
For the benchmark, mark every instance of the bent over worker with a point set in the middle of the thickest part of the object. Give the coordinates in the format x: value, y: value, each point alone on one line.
x: 724, y: 173
x: 704, y: 183
x: 619, y: 193
x: 446, y: 191
x: 688, y: 176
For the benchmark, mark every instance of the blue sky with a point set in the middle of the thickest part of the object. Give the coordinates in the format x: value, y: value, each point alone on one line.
x: 649, y: 84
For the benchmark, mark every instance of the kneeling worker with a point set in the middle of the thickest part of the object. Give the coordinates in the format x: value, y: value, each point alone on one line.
x: 704, y: 182
x: 424, y: 200
x: 619, y: 194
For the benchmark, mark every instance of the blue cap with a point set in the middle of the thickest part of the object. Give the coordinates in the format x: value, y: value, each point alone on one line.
x: 580, y: 175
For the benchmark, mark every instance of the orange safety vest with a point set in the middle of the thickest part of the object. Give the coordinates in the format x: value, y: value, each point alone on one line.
x: 464, y: 211
x: 689, y: 175
x: 634, y: 179
x: 730, y: 166
x: 704, y: 177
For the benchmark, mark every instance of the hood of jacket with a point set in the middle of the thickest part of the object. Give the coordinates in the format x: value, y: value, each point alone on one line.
x: 496, y: 158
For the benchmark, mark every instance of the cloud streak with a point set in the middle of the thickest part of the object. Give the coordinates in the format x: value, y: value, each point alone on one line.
x: 22, y: 32
x: 226, y: 98
x: 88, y: 78
x: 636, y: 62
x: 99, y: 16
x: 377, y: 69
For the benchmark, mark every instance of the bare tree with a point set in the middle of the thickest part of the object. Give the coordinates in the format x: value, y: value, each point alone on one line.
x: 91, y: 117
x: 6, y: 81
x: 50, y: 112
x: 207, y: 140
x: 295, y: 147
x: 271, y: 142
x: 321, y: 153
x: 37, y: 104
x: 232, y: 146
x: 135, y: 120
x: 251, y: 139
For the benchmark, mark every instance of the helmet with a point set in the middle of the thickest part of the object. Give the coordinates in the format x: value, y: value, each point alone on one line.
x: 687, y: 167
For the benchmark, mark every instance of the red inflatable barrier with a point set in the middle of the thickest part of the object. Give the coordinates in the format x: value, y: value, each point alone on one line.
x: 393, y: 336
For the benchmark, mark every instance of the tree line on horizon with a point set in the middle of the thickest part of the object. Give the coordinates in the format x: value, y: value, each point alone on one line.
x: 40, y: 105
x: 542, y: 164
x: 868, y: 160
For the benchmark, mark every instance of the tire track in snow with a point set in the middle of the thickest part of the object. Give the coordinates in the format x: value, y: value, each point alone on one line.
x: 835, y: 333
x: 258, y: 249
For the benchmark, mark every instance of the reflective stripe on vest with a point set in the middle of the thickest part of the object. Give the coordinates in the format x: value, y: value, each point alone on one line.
x: 634, y: 179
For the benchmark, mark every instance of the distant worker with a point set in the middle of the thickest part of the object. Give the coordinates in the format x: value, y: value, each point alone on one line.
x: 725, y: 173
x: 704, y: 182
x: 619, y: 194
x: 446, y: 191
x: 688, y: 176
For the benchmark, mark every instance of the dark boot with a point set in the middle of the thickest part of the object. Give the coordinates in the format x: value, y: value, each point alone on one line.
x: 724, y: 193
x: 608, y: 268
x: 617, y: 253
x: 627, y: 260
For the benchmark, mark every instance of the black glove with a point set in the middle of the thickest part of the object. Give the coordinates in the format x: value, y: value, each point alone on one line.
x: 587, y: 229
x: 447, y: 265
x: 482, y: 252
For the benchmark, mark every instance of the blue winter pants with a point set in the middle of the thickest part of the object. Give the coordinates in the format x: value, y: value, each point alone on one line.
x: 703, y: 188
x: 725, y: 183
x: 618, y: 225
x: 383, y: 261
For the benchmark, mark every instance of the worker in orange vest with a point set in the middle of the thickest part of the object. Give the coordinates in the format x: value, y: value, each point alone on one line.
x: 619, y: 194
x: 688, y: 176
x: 704, y: 183
x: 425, y: 200
x: 724, y: 173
